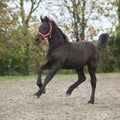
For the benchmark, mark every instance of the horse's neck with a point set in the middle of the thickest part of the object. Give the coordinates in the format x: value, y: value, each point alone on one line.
x: 56, y: 39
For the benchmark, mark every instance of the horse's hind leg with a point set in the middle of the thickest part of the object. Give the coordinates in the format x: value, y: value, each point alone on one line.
x: 81, y: 78
x: 93, y: 83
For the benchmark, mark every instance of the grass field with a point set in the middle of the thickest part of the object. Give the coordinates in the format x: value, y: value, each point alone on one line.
x: 56, y: 76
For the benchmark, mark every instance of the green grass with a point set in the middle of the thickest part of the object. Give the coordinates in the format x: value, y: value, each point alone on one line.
x: 34, y: 77
x: 108, y: 74
x: 56, y: 76
x: 17, y: 77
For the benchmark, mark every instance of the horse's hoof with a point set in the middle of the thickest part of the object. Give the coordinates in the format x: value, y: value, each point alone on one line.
x: 44, y: 91
x: 68, y: 94
x: 91, y: 102
x: 38, y: 96
x: 35, y: 93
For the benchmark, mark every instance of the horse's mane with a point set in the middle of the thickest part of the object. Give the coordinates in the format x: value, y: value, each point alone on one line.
x: 64, y: 36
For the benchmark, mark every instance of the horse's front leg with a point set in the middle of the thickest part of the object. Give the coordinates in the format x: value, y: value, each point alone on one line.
x: 51, y: 74
x: 41, y: 69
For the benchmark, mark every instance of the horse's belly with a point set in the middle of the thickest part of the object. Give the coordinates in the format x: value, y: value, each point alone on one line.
x: 74, y: 65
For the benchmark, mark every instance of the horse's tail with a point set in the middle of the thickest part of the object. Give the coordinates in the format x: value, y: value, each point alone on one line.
x: 103, y: 41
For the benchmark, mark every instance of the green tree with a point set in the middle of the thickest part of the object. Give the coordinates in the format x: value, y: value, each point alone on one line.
x: 7, y: 19
x: 110, y: 59
x: 116, y: 42
x: 23, y: 34
x: 16, y: 39
x: 7, y: 22
x: 26, y: 17
x: 81, y: 13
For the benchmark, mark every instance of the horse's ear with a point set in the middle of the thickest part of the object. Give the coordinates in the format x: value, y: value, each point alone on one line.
x: 41, y: 18
x: 46, y: 19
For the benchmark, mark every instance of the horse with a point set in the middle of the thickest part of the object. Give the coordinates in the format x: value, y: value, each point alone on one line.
x: 63, y: 54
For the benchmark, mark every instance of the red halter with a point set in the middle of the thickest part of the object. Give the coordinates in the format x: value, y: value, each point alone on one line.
x: 45, y: 36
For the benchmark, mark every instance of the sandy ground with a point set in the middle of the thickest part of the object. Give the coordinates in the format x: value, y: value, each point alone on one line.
x: 18, y: 103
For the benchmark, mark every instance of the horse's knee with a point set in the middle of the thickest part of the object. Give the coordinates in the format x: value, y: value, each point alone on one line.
x: 39, y: 84
x: 93, y: 83
x: 83, y: 78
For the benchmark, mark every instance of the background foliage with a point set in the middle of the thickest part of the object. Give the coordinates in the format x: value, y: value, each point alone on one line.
x: 20, y: 55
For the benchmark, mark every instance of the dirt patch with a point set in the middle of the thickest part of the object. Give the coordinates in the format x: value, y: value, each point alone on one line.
x: 18, y: 103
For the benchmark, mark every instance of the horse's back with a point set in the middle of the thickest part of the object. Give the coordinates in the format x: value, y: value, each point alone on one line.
x: 88, y: 48
x: 81, y: 53
x: 75, y: 55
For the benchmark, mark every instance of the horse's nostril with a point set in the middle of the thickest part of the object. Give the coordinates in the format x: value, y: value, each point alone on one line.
x: 36, y: 40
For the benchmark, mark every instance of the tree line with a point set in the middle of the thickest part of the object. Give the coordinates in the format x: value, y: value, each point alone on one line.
x: 20, y: 55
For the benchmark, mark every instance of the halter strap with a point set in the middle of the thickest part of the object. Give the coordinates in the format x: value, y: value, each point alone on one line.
x: 45, y: 36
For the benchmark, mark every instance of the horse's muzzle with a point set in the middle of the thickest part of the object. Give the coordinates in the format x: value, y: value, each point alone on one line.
x: 38, y: 39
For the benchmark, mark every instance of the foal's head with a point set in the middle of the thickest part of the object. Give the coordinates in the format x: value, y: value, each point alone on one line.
x: 44, y: 31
